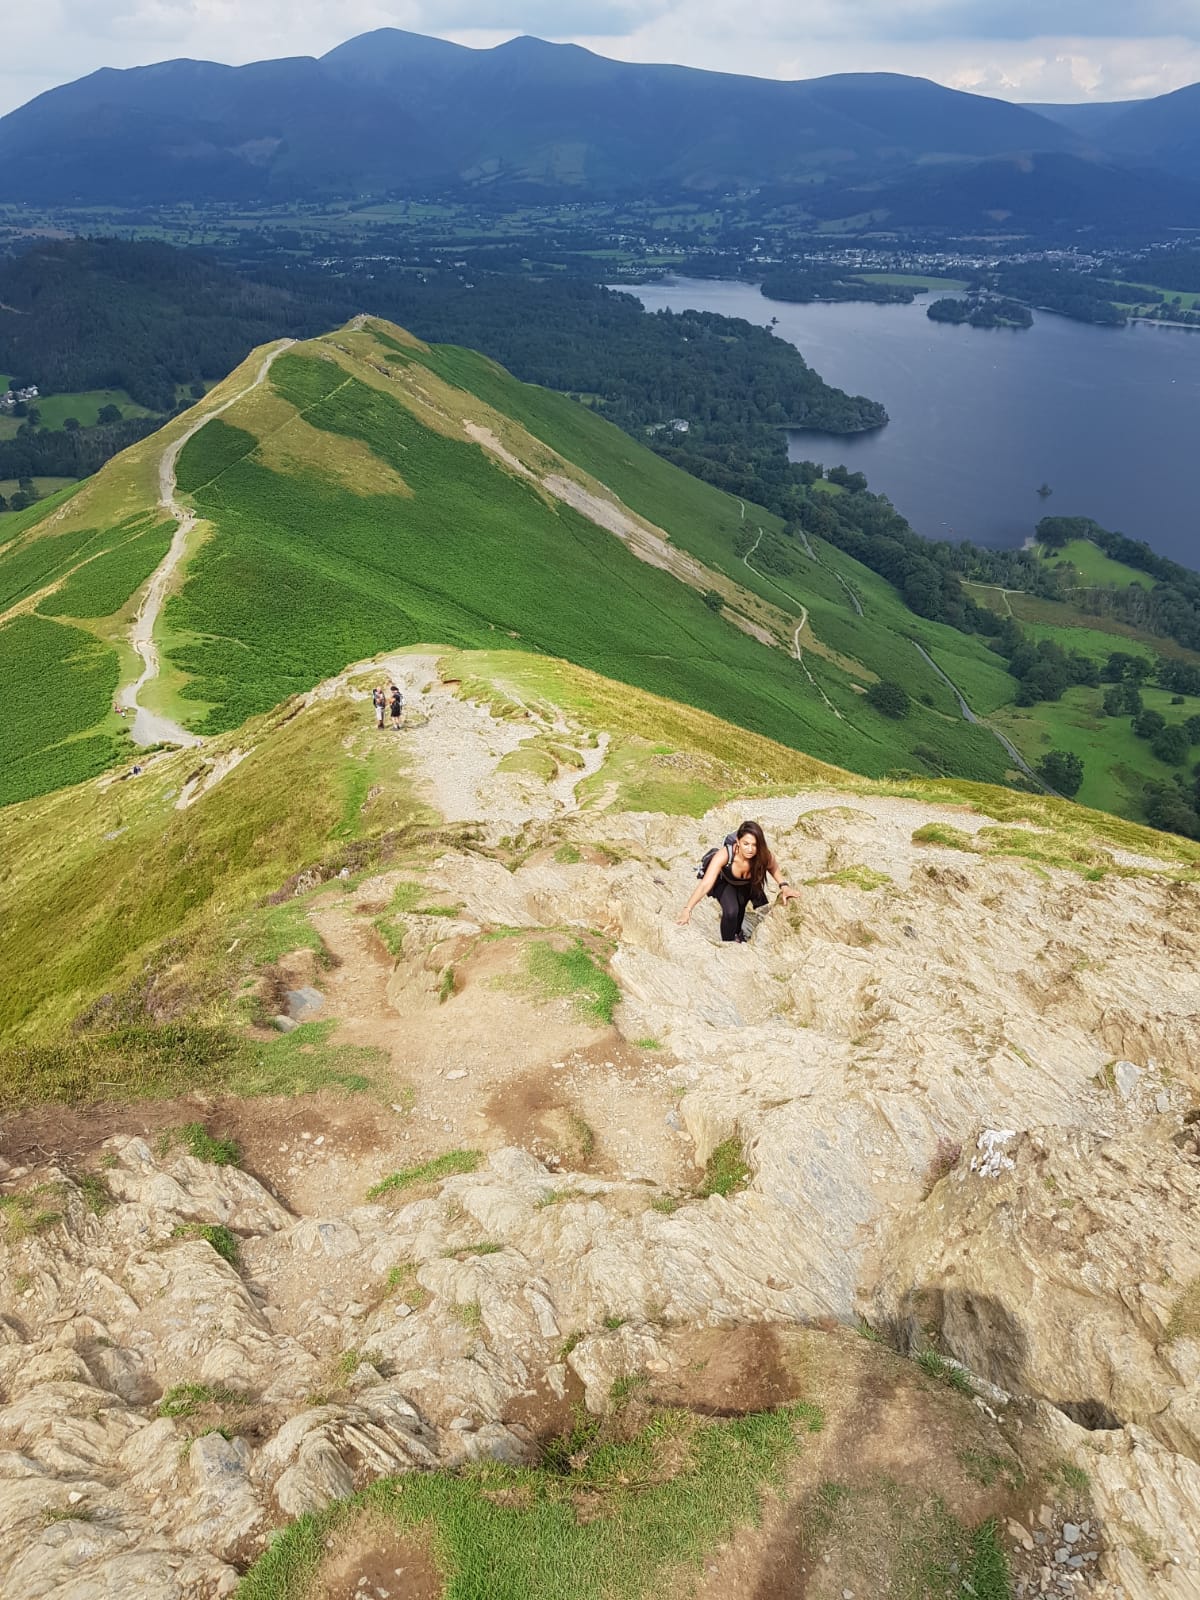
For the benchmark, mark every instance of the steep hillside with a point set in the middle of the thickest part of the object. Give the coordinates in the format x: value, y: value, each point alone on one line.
x: 365, y: 491
x: 1031, y: 193
x: 1164, y: 131
x: 393, y: 111
x: 384, y: 1163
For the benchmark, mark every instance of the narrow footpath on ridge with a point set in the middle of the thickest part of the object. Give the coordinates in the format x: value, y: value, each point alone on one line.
x: 799, y: 654
x: 148, y: 726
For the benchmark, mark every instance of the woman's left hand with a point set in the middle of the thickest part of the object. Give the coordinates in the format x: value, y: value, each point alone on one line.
x: 787, y: 894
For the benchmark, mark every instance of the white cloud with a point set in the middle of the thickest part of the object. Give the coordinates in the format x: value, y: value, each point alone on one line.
x: 948, y: 40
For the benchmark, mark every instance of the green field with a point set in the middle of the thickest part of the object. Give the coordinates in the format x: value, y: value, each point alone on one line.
x: 1188, y: 299
x: 913, y: 280
x: 84, y: 405
x: 56, y: 686
x: 1095, y: 567
x: 57, y: 681
x: 1116, y: 763
x: 42, y: 486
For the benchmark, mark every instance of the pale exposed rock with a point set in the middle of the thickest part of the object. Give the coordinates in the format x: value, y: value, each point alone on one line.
x: 603, y: 1358
x: 1071, y: 1297
x: 862, y: 1050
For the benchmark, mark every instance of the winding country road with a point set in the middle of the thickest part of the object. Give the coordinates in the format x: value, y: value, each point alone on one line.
x: 980, y: 722
x: 149, y: 727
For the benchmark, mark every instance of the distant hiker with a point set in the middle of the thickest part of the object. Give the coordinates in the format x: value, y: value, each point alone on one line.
x: 395, y: 704
x: 379, y: 701
x: 733, y: 875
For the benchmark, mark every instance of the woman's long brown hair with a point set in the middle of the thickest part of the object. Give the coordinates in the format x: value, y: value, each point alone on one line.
x: 758, y: 867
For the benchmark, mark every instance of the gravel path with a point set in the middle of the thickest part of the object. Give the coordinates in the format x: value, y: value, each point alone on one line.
x: 148, y: 726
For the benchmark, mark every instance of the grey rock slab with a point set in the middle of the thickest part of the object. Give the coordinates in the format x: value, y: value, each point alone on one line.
x: 304, y: 1003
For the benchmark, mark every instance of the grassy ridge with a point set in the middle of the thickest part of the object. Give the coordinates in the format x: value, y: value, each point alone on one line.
x: 130, y: 875
x: 475, y: 552
x: 705, y: 522
x: 310, y: 576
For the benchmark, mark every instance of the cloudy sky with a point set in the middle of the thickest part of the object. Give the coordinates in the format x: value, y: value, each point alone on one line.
x: 1016, y: 49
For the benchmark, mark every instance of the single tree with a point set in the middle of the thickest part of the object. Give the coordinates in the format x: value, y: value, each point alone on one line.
x: 890, y: 698
x: 1062, y: 770
x: 1170, y: 744
x: 713, y: 600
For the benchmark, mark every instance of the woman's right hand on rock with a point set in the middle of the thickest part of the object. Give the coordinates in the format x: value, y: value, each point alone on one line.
x: 684, y: 917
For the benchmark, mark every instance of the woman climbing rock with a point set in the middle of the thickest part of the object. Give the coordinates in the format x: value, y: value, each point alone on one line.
x: 733, y: 875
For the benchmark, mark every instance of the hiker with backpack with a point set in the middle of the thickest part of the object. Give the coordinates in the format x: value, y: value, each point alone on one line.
x: 733, y: 875
x: 379, y: 701
x: 395, y: 704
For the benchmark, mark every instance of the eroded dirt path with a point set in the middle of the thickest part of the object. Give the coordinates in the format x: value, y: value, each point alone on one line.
x: 149, y: 727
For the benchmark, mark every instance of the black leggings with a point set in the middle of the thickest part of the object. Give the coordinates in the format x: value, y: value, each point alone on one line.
x: 732, y: 899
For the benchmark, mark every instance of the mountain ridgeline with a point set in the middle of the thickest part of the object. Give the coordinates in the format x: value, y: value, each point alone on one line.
x: 395, y: 112
x: 373, y: 492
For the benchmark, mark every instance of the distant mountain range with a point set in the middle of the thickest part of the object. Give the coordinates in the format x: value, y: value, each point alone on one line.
x: 396, y: 112
x: 1163, y: 132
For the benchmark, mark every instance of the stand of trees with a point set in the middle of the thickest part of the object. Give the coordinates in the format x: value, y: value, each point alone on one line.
x: 981, y: 313
x: 1174, y: 803
x: 70, y: 452
x: 1071, y: 294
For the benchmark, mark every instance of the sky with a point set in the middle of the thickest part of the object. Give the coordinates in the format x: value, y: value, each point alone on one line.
x: 1029, y: 50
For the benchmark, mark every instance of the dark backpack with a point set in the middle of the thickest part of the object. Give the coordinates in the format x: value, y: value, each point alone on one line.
x: 729, y: 845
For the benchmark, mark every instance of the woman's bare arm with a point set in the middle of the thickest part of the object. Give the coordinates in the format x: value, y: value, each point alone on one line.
x: 786, y: 892
x: 705, y: 884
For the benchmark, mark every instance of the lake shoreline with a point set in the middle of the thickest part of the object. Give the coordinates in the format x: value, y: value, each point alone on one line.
x: 975, y: 425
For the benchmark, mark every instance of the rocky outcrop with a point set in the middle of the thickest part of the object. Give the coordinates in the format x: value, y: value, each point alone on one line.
x: 1068, y: 1274
x: 964, y: 1092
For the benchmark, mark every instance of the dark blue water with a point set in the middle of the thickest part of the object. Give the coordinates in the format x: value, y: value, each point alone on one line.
x: 1109, y: 417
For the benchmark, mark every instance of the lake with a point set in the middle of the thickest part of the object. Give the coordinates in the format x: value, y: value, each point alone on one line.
x: 1108, y: 417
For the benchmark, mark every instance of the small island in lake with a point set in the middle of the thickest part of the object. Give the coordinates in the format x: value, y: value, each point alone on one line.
x: 981, y: 312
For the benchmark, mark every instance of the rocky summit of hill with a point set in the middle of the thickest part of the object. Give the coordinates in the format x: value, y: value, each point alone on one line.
x: 384, y: 1164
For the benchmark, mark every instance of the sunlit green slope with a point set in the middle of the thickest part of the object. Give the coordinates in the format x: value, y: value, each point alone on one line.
x: 374, y: 492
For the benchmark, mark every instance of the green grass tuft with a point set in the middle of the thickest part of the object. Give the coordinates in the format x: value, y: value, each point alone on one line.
x: 725, y: 1171
x: 223, y: 1241
x: 95, y: 1192
x: 469, y: 1314
x: 619, y: 1519
x: 449, y: 1165
x: 195, y: 1137
x: 23, y: 1216
x: 936, y: 1366
x: 941, y: 833
x: 185, y: 1399
x: 573, y: 973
